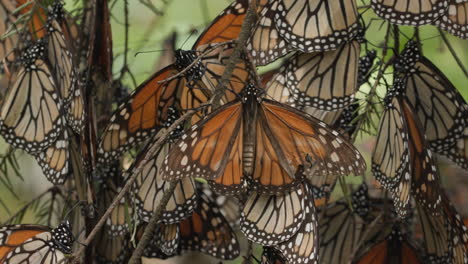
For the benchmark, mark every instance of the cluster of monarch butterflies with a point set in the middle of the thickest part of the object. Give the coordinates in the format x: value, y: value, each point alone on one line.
x: 269, y: 156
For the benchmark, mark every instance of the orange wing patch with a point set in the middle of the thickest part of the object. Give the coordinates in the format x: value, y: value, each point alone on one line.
x: 304, y: 140
x: 199, y: 152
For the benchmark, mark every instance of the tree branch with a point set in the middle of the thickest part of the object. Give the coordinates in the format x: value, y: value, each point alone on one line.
x: 246, y: 29
x: 160, y: 140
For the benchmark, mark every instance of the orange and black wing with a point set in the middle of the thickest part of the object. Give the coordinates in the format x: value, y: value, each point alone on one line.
x: 410, y: 12
x: 46, y: 246
x: 394, y: 249
x: 425, y: 182
x: 272, y: 219
x: 226, y: 26
x: 455, y: 19
x: 316, y: 25
x: 437, y: 103
x: 143, y: 114
x: 305, y: 141
x: 211, y: 149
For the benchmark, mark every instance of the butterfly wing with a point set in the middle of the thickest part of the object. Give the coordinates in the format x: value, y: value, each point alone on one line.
x: 208, y: 231
x: 30, y: 115
x: 61, y: 62
x: 437, y: 103
x: 198, y: 153
x: 303, y: 247
x: 316, y: 25
x: 144, y: 113
x: 390, y: 158
x: 266, y: 44
x: 409, y: 12
x: 272, y: 219
x: 304, y: 140
x: 454, y: 20
x: 54, y: 160
x: 149, y: 189
x: 324, y: 80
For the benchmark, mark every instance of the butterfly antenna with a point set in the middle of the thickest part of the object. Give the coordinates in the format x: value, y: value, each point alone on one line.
x: 192, y: 32
x: 149, y: 51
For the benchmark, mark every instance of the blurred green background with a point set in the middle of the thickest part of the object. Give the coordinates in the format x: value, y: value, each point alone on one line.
x: 148, y: 31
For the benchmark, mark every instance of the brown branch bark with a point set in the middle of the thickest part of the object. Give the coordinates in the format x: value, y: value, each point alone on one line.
x: 240, y: 43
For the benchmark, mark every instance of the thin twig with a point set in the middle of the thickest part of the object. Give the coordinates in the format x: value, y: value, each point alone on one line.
x: 149, y: 230
x: 127, y: 26
x: 246, y: 29
x: 373, y: 90
x: 130, y: 181
x: 25, y: 207
x: 454, y: 54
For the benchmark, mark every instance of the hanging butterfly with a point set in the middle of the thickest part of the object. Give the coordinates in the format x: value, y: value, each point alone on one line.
x: 35, y: 244
x: 402, y: 161
x: 149, y: 188
x: 206, y: 230
x: 323, y: 80
x: 454, y: 20
x: 436, y: 236
x: 113, y: 241
x: 272, y: 219
x: 342, y: 228
x: 410, y: 12
x: 304, y: 245
x: 266, y: 142
x: 316, y: 25
x: 30, y: 116
x: 148, y: 108
x: 437, y: 103
x: 394, y: 248
x: 62, y: 67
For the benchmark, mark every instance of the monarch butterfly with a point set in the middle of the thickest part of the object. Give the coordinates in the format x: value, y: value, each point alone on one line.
x: 113, y: 240
x: 437, y: 103
x: 206, y: 230
x: 316, y: 25
x: 61, y: 61
x: 402, y: 161
x: 35, y: 244
x: 303, y: 246
x: 149, y: 189
x: 147, y: 109
x: 410, y: 12
x: 323, y: 80
x: 342, y: 228
x: 437, y: 240
x: 271, y: 219
x: 454, y: 20
x: 394, y: 248
x: 269, y: 142
x: 272, y: 256
x: 35, y: 96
